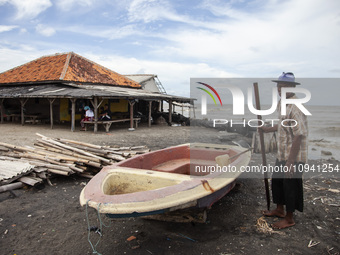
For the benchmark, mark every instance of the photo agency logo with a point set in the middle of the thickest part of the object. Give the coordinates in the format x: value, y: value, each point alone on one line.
x: 286, y: 88
x: 204, y: 97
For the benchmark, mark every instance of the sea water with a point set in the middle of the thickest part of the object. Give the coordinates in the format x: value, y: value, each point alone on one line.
x: 323, y: 125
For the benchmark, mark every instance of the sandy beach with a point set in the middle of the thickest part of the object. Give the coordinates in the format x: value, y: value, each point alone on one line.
x: 50, y: 220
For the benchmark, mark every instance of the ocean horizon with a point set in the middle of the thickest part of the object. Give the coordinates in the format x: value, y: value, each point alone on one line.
x: 323, y: 125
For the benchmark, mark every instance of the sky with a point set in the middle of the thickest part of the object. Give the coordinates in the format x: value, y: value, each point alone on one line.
x: 179, y: 40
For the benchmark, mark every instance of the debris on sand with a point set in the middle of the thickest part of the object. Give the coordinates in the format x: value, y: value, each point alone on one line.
x: 263, y: 227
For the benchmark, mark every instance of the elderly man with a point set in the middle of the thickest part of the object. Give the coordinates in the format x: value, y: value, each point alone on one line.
x: 287, y: 187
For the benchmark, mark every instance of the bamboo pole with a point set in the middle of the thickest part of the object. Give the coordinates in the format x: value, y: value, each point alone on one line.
x: 54, y: 171
x: 74, y: 149
x: 50, y: 145
x: 80, y: 143
x: 116, y: 157
x: 39, y: 157
x: 80, y: 158
x: 77, y: 169
x: 11, y: 186
x: 74, y: 156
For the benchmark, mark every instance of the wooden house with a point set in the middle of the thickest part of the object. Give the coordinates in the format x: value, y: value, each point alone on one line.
x: 57, y: 87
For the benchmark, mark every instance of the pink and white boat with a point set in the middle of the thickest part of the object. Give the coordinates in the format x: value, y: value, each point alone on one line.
x: 184, y: 176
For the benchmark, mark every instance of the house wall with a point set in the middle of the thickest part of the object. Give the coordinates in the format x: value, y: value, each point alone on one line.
x: 118, y: 107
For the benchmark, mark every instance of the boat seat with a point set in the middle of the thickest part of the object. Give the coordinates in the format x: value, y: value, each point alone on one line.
x: 178, y: 166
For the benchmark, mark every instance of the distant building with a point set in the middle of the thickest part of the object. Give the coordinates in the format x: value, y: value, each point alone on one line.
x: 149, y: 82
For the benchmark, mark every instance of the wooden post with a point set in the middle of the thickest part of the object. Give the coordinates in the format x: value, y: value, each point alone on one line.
x: 131, y: 102
x: 150, y: 106
x: 23, y: 102
x: 51, y: 110
x: 95, y: 108
x: 2, y: 110
x: 73, y: 114
x: 263, y: 150
x: 162, y: 106
x: 96, y: 105
x: 170, y: 112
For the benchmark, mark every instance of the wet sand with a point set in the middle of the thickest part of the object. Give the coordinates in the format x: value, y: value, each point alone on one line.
x: 50, y: 220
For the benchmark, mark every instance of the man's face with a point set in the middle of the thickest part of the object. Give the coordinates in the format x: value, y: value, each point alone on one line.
x: 281, y: 85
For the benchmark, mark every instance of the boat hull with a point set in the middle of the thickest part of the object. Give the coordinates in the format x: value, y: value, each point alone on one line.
x: 163, y: 181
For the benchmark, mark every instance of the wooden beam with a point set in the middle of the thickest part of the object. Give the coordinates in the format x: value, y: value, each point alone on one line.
x: 2, y: 110
x: 95, y: 108
x: 51, y: 110
x: 73, y: 114
x: 96, y: 105
x: 131, y: 102
x: 170, y: 112
x: 23, y: 101
x: 150, y: 106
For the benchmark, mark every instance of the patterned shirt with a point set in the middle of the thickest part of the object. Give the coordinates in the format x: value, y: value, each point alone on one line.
x: 294, y: 123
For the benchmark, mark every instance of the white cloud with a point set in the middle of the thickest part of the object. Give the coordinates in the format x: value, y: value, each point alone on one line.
x: 45, y: 30
x: 152, y: 10
x: 6, y: 28
x: 105, y: 32
x: 19, y: 56
x: 230, y: 38
x: 175, y: 76
x: 293, y: 34
x: 67, y: 5
x: 28, y: 9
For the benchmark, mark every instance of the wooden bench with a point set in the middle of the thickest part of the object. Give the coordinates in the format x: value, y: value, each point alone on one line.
x: 107, y: 123
x: 31, y: 118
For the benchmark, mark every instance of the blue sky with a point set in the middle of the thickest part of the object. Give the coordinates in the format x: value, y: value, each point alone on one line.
x: 178, y: 40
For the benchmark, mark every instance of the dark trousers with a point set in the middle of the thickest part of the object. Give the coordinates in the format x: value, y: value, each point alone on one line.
x: 288, y: 191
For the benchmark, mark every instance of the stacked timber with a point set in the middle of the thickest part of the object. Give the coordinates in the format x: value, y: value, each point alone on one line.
x: 57, y: 156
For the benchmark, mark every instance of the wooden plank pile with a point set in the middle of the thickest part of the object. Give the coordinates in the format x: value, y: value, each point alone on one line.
x: 57, y: 156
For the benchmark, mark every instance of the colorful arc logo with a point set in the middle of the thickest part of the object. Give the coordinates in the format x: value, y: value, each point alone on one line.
x: 209, y: 93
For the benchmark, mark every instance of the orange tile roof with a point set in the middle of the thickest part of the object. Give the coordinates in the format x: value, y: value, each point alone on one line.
x: 65, y: 67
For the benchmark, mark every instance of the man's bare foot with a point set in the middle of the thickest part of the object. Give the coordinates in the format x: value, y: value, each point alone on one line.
x: 284, y: 223
x: 274, y: 213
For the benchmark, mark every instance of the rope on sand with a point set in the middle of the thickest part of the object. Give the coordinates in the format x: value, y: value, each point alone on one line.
x: 263, y: 227
x: 97, y: 230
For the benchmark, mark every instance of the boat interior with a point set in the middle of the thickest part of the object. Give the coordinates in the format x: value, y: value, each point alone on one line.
x: 180, y: 160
